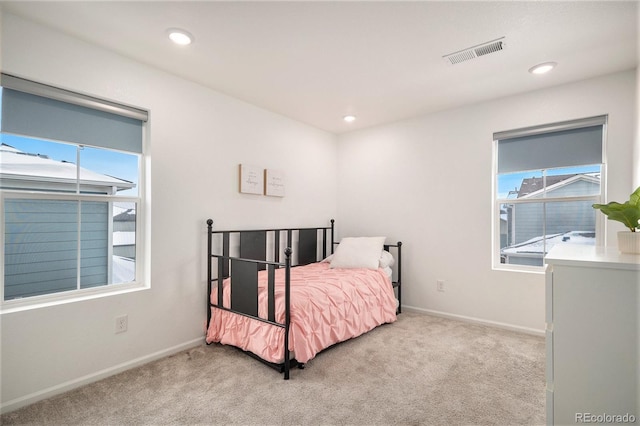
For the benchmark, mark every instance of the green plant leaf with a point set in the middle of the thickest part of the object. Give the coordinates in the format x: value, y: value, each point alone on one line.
x: 634, y: 198
x: 627, y: 213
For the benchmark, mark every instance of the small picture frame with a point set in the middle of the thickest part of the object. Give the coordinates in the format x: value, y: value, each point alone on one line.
x: 251, y: 179
x: 274, y: 183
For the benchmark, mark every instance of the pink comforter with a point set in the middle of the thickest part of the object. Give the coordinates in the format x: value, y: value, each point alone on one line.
x: 327, y: 306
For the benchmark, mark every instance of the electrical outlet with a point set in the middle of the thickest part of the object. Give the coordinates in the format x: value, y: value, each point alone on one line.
x: 122, y: 323
x: 440, y: 285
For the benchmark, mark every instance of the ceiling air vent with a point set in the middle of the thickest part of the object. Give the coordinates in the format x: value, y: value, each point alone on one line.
x: 475, y: 51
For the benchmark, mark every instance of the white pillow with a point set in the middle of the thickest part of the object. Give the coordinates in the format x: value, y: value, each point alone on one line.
x: 386, y: 259
x: 389, y: 272
x: 358, y: 252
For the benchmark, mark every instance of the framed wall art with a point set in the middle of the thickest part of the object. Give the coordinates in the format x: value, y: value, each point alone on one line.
x: 251, y: 179
x: 274, y: 183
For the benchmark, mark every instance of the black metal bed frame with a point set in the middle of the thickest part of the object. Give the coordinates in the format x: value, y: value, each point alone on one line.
x: 253, y: 247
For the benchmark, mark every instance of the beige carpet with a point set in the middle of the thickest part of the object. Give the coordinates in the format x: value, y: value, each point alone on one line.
x: 421, y: 370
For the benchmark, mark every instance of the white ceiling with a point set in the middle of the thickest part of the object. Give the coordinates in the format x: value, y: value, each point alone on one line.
x: 381, y: 61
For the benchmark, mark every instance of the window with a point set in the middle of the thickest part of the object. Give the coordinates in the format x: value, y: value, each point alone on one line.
x: 546, y: 179
x: 72, y: 193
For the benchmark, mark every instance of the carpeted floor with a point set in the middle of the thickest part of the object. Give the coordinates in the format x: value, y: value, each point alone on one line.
x: 420, y: 370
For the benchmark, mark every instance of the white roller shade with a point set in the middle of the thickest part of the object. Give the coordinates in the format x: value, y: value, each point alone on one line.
x: 574, y: 144
x: 41, y: 111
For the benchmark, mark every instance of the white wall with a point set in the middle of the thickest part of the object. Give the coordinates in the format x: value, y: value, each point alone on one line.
x: 636, y: 177
x: 427, y: 182
x: 197, y: 139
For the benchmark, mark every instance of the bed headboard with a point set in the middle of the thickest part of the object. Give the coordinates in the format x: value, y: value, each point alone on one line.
x: 308, y: 245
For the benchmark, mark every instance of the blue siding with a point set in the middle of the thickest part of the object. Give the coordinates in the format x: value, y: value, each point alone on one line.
x: 561, y: 216
x: 528, y: 219
x: 41, y: 246
x: 94, y: 243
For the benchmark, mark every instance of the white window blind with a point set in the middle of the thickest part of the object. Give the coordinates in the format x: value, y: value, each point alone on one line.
x: 544, y: 147
x: 41, y: 111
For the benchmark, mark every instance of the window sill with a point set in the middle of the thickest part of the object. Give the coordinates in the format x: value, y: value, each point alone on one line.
x: 540, y: 270
x: 38, y: 302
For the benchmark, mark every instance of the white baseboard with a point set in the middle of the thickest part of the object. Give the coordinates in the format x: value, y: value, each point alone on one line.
x: 94, y: 377
x: 465, y: 318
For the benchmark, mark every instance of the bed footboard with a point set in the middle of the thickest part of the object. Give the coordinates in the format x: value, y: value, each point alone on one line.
x: 254, y: 248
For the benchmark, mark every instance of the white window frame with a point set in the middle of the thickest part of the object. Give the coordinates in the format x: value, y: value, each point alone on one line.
x: 142, y: 271
x: 14, y: 305
x: 600, y: 223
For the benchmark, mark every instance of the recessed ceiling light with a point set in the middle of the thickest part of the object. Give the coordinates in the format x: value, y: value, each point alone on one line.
x: 542, y: 68
x: 349, y: 118
x: 179, y: 36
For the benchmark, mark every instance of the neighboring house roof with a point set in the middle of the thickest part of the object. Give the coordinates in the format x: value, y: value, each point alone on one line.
x: 128, y: 215
x: 533, y: 186
x: 21, y: 170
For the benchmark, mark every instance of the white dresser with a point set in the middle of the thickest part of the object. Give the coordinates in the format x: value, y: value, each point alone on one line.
x: 593, y: 321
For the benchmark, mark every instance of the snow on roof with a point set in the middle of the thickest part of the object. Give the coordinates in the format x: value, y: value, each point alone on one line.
x: 15, y: 164
x: 124, y: 270
x: 537, y: 245
x: 124, y: 238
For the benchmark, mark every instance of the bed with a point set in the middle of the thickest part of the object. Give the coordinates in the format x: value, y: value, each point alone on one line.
x: 284, y: 295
